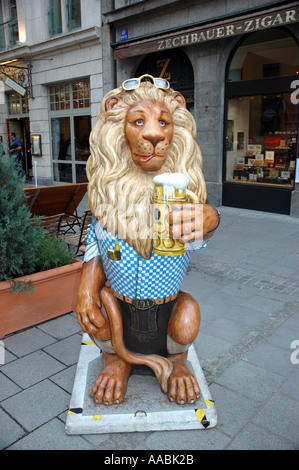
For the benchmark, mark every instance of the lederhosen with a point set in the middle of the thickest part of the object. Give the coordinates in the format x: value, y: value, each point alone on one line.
x: 145, y: 323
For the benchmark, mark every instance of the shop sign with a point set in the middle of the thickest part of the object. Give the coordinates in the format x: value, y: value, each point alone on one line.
x: 213, y: 31
x: 15, y: 86
x: 17, y: 77
x: 232, y: 29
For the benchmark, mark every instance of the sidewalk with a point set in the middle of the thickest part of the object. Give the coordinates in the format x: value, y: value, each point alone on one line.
x: 247, y: 285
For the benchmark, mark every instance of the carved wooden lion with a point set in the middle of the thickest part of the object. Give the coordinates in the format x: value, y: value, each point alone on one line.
x: 129, y: 298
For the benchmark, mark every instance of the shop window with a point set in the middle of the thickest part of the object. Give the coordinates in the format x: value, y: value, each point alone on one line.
x: 261, y: 140
x: 81, y: 94
x: 17, y: 104
x: 61, y: 148
x: 82, y: 129
x: 65, y: 96
x: 262, y: 121
x: 74, y: 14
x: 70, y: 129
x: 264, y: 54
x: 60, y: 97
x: 55, y: 18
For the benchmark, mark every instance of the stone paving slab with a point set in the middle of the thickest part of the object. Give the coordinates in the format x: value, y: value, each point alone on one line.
x: 51, y: 436
x: 33, y: 368
x: 37, y: 404
x: 280, y: 414
x: 28, y: 341
x: 13, y: 431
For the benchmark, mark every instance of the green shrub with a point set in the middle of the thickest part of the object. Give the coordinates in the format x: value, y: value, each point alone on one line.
x: 25, y: 248
x: 52, y: 253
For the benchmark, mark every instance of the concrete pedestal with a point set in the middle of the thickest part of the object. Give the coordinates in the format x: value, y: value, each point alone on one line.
x: 145, y: 408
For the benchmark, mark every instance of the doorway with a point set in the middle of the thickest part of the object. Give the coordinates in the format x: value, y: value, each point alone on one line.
x: 22, y: 129
x: 176, y: 67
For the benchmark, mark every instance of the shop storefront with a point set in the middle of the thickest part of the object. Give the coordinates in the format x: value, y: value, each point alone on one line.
x: 262, y: 114
x: 239, y: 72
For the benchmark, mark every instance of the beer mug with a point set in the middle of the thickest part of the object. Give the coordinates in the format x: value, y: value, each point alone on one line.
x: 170, y: 188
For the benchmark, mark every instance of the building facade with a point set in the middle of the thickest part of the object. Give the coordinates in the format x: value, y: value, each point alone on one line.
x: 51, y: 49
x: 236, y: 62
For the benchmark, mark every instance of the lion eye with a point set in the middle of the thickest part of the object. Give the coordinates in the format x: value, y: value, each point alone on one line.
x: 139, y: 122
x: 162, y: 123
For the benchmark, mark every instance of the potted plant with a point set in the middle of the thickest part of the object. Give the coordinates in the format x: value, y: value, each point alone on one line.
x: 39, y: 276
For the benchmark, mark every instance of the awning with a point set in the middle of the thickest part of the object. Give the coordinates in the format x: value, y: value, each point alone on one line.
x: 247, y: 23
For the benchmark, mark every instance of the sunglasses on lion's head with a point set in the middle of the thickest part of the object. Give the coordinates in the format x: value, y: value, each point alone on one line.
x: 134, y: 83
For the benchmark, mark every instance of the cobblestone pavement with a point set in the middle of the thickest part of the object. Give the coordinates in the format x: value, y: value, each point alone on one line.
x: 247, y: 285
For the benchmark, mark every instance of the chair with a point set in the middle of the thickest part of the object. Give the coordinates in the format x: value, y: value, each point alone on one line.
x: 76, y: 240
x: 52, y: 224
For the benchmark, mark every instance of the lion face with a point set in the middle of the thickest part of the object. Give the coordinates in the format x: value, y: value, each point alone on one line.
x: 149, y: 132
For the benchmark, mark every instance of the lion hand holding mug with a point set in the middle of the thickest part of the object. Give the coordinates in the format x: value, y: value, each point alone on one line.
x: 129, y: 298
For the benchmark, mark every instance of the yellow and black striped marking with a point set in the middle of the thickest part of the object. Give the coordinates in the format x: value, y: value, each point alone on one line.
x: 201, y: 416
x: 75, y: 411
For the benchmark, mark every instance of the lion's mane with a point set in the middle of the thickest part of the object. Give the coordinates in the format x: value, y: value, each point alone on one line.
x: 119, y: 192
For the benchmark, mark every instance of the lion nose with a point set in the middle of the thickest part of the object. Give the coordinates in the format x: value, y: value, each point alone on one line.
x: 155, y: 140
x: 154, y: 135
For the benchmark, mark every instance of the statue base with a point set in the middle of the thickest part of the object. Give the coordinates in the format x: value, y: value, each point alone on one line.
x: 145, y: 407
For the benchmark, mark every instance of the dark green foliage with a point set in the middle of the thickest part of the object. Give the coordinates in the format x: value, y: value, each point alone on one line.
x: 17, y: 234
x: 25, y: 249
x: 52, y: 253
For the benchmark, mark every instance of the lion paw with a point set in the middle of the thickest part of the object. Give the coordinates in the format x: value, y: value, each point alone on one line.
x: 110, y: 386
x: 182, y: 386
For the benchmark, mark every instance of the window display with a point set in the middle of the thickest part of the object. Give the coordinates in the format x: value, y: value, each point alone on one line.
x: 261, y: 140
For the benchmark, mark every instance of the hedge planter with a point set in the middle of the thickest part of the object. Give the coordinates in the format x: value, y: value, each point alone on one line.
x: 55, y: 293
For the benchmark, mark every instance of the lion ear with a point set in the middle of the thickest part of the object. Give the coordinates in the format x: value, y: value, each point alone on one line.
x: 179, y: 98
x: 111, y: 102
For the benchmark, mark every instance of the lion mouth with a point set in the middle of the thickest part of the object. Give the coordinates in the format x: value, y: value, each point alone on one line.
x: 144, y: 159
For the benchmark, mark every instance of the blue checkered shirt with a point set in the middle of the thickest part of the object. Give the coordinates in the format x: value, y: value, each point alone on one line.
x: 133, y: 276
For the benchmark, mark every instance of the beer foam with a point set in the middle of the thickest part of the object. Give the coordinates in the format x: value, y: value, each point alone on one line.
x: 176, y: 180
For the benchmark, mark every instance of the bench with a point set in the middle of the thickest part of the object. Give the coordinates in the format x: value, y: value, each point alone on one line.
x: 57, y: 199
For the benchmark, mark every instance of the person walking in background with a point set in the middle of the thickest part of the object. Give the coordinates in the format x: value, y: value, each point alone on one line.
x: 15, y: 152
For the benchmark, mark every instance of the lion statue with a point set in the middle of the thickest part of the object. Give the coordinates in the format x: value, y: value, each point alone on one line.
x: 129, y: 298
